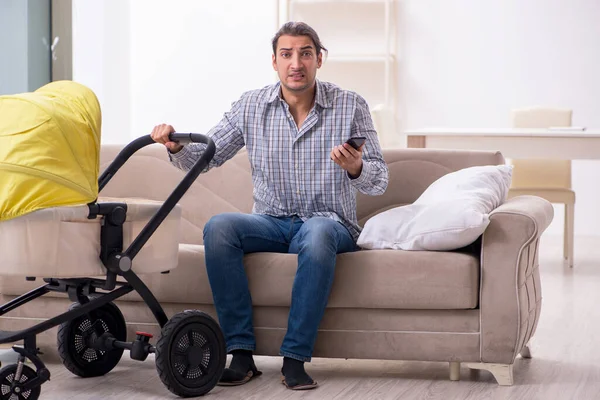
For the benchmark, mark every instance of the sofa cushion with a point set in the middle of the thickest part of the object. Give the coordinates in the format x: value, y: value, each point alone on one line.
x: 149, y: 174
x: 364, y: 279
x: 451, y: 213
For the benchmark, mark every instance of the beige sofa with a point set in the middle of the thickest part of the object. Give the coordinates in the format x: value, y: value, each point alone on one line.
x: 478, y: 306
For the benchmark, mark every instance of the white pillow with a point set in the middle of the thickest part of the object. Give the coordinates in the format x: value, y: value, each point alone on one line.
x: 452, y: 213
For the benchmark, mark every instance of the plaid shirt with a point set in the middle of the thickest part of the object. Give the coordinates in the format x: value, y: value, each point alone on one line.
x: 292, y: 172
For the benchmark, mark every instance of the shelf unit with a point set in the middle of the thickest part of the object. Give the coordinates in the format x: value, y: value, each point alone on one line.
x: 361, y: 38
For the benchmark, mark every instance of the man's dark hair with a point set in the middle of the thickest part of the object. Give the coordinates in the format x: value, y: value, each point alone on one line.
x: 298, y: 29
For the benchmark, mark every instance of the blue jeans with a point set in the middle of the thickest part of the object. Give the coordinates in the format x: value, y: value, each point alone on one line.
x: 228, y: 236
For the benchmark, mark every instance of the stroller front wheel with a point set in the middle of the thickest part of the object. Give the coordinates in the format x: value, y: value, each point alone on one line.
x: 190, y: 354
x: 7, y: 378
x: 75, y: 339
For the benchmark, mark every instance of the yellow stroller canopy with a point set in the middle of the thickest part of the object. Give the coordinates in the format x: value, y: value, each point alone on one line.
x: 49, y: 148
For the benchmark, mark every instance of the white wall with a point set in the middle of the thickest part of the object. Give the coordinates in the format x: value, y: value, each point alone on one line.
x: 191, y: 59
x: 466, y: 63
x: 182, y: 63
x: 101, y: 61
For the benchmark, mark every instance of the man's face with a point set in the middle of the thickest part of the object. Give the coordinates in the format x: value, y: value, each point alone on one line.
x: 296, y: 62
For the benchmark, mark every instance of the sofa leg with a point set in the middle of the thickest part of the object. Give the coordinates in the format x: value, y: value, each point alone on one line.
x: 454, y: 370
x: 526, y: 352
x: 502, y: 372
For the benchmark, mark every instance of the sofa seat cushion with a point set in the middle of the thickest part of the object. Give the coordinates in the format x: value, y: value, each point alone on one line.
x: 376, y: 279
x: 364, y: 279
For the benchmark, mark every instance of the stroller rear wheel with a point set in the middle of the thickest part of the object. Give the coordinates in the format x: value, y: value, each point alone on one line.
x: 7, y: 378
x: 75, y: 339
x: 190, y: 354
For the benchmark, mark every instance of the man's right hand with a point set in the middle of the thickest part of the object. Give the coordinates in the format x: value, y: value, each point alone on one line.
x: 160, y: 134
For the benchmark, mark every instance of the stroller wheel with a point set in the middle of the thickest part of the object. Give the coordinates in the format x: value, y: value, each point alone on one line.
x: 7, y: 377
x: 75, y: 338
x: 190, y: 354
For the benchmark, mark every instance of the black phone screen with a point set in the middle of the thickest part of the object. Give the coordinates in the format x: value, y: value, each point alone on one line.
x: 356, y: 142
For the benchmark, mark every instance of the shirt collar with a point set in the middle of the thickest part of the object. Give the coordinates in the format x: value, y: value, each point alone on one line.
x: 320, y: 97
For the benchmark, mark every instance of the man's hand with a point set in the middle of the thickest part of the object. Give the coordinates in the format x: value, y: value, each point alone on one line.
x: 348, y: 158
x: 160, y: 134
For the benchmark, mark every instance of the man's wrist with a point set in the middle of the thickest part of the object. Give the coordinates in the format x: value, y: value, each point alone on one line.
x: 355, y: 173
x: 179, y: 155
x: 176, y: 150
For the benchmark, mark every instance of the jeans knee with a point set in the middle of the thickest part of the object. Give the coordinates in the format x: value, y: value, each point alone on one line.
x: 323, y: 230
x: 320, y: 235
x: 220, y: 226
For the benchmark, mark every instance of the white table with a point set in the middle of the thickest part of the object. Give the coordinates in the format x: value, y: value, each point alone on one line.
x: 512, y: 143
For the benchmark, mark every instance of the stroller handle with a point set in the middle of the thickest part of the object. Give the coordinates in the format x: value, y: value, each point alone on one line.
x: 146, y: 140
x: 189, y: 138
x: 175, y: 196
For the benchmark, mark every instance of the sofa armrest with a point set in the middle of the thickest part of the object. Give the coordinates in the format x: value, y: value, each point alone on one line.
x: 510, y: 296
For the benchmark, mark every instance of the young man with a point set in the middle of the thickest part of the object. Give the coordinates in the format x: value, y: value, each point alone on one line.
x: 305, y: 181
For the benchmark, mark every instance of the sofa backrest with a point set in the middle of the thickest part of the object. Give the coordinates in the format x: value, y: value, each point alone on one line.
x: 149, y: 174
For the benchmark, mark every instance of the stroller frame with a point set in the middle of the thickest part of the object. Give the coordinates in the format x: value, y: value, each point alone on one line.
x: 83, y: 292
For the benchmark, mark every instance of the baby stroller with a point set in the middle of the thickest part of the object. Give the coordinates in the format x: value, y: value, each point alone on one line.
x: 92, y: 245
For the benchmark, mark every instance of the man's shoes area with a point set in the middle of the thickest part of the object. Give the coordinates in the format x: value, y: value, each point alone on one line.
x: 294, y: 376
x: 242, y: 369
x: 232, y: 377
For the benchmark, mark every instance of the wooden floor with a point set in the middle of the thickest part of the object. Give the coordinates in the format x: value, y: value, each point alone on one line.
x: 565, y: 363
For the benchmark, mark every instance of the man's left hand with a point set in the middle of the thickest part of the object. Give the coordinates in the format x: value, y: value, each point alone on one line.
x: 348, y: 158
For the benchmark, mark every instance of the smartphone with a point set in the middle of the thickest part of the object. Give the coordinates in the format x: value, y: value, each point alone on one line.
x: 356, y: 142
